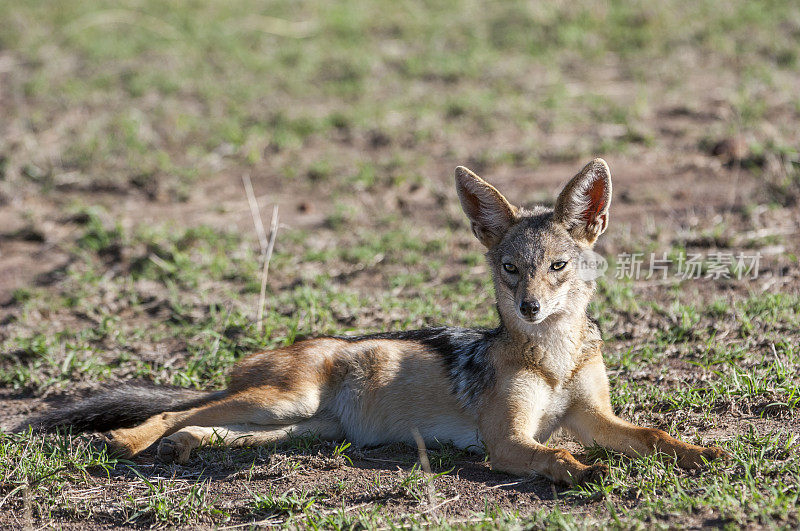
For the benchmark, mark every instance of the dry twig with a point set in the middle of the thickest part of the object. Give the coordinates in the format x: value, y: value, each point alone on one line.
x: 255, y: 212
x: 273, y: 233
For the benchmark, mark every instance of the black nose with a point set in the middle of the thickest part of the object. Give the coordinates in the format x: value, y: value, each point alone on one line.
x: 529, y: 308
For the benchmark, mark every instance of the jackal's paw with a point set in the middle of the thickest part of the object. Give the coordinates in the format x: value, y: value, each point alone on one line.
x: 173, y: 451
x: 592, y: 474
x: 697, y: 458
x: 115, y: 446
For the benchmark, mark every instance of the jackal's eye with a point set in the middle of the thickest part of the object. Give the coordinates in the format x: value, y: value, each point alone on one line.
x: 558, y: 266
x: 510, y: 268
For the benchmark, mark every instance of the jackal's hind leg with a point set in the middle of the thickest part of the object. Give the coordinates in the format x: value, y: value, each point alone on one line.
x: 177, y: 447
x: 266, y: 407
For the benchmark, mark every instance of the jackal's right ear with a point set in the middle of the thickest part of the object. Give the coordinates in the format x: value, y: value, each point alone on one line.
x: 582, y: 206
x: 489, y: 213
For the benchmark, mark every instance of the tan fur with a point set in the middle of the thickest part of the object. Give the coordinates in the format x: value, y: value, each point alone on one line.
x: 547, y: 369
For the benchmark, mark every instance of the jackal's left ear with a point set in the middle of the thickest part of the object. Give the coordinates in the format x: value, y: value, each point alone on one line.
x: 582, y: 206
x: 489, y: 213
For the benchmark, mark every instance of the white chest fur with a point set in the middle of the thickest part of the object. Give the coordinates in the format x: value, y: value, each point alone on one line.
x: 539, y: 407
x: 541, y: 391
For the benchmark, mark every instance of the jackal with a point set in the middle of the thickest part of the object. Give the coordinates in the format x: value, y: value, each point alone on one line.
x: 505, y: 390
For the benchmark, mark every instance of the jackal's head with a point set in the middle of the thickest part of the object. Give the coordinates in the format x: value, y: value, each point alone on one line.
x: 534, y: 254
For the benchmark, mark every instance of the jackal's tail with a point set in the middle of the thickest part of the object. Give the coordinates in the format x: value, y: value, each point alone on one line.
x: 120, y: 407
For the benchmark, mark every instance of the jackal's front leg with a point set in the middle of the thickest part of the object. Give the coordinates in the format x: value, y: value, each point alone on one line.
x: 508, y: 425
x: 592, y: 420
x: 612, y: 432
x: 524, y: 457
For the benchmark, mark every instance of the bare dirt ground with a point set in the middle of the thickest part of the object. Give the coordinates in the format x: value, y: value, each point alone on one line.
x: 657, y: 197
x: 102, y: 280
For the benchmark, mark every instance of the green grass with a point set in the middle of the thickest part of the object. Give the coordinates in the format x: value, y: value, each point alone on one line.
x: 735, y: 491
x: 742, y: 372
x: 163, y: 504
x: 181, y: 275
x: 355, y: 107
x: 36, y: 470
x: 139, y: 72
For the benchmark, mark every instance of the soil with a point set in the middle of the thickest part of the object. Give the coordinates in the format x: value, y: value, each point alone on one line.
x: 672, y: 193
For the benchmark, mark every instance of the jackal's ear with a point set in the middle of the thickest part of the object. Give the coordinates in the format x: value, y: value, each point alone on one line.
x: 582, y: 206
x: 489, y: 213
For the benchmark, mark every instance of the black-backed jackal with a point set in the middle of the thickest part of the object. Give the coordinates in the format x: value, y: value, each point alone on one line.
x: 505, y: 389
